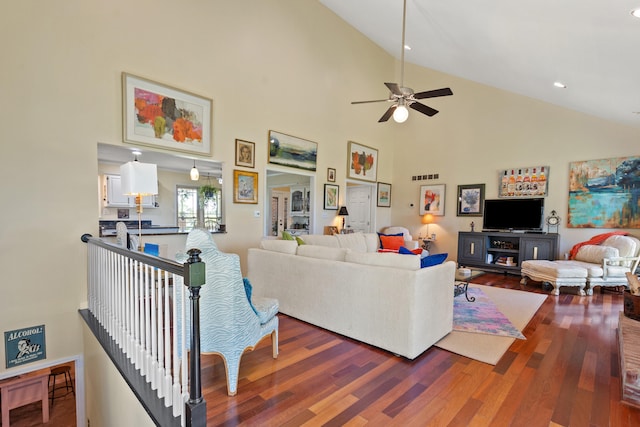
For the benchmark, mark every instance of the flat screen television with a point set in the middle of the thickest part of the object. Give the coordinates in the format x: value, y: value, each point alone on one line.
x: 513, y: 215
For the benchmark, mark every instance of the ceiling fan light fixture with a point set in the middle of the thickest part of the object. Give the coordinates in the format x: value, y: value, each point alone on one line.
x: 401, y: 114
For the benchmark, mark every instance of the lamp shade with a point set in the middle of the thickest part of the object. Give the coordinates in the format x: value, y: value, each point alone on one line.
x: 427, y: 218
x: 139, y: 178
x: 343, y: 211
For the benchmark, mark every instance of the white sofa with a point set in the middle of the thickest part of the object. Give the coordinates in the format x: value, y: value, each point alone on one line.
x: 342, y: 284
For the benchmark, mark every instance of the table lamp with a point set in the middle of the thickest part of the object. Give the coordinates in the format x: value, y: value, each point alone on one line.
x: 343, y: 213
x: 139, y: 179
x: 427, y: 219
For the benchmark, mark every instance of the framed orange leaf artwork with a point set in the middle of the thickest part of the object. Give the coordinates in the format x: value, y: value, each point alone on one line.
x: 362, y: 162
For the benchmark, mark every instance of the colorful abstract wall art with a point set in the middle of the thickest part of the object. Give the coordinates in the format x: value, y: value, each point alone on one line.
x: 604, y: 193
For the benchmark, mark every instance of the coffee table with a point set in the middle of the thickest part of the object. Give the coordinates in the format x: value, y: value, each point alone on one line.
x: 461, y: 284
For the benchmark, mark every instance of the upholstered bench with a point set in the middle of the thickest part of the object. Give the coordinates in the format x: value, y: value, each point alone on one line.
x: 556, y: 273
x: 604, y: 264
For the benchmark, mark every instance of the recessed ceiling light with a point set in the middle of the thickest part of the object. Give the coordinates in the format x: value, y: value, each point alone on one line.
x: 636, y: 12
x: 407, y: 47
x: 560, y: 85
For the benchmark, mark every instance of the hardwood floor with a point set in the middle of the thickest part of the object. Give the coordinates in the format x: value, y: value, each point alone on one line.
x: 565, y: 374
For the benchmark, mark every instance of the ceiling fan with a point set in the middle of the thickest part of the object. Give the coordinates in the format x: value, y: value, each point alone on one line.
x: 404, y: 97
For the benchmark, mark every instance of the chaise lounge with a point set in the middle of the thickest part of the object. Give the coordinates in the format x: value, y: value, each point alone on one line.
x: 603, y: 260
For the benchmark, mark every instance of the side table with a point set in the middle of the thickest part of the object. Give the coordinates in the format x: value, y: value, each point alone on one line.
x: 24, y: 389
x: 461, y: 284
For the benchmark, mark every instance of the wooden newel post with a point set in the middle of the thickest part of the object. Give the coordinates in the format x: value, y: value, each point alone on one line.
x: 194, y: 278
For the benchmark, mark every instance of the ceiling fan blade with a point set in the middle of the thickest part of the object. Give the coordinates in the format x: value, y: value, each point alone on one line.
x: 366, y: 102
x: 423, y: 109
x: 394, y: 88
x: 433, y: 93
x: 387, y: 115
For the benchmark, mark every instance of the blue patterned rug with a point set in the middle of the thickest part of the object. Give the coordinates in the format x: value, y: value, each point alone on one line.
x: 481, y: 316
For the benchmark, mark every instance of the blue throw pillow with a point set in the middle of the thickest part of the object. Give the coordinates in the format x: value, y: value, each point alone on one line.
x: 249, y: 290
x: 405, y: 251
x: 434, y: 259
x: 382, y: 234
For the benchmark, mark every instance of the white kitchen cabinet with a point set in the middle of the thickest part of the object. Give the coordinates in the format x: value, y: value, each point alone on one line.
x: 113, y: 197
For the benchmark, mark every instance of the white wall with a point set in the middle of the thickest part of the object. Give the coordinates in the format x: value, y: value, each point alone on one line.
x: 286, y: 65
x: 480, y: 131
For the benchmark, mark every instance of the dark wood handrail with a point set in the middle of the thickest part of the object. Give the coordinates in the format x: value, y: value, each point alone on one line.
x: 154, y: 261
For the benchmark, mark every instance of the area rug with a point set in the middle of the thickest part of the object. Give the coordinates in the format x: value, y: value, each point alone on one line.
x: 482, y: 316
x: 517, y: 306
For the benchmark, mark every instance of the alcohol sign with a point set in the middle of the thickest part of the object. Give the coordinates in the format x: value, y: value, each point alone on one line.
x: 24, y: 345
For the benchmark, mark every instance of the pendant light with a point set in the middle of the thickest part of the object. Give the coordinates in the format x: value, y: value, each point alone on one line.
x: 195, y: 175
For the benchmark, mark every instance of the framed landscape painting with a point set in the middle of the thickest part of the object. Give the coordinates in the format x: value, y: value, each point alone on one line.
x: 384, y: 195
x: 164, y: 117
x: 432, y: 199
x: 362, y: 162
x: 287, y: 150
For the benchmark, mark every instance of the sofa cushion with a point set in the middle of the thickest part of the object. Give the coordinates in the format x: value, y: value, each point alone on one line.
x: 372, y: 241
x: 323, y: 252
x: 353, y: 241
x: 384, y: 260
x: 321, y: 240
x: 391, y: 242
x: 432, y: 260
x: 557, y: 269
x: 265, y: 308
x: 627, y: 246
x: 284, y: 246
x: 596, y: 253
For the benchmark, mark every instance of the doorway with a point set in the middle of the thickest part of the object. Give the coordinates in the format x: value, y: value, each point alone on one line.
x: 289, y: 203
x: 359, y: 205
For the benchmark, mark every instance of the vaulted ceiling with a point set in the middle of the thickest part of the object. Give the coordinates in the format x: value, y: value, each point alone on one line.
x: 592, y: 46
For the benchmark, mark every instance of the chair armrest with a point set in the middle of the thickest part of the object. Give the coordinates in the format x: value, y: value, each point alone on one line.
x: 632, y: 263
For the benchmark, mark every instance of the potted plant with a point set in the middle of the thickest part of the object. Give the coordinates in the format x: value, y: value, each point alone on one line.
x: 208, y: 192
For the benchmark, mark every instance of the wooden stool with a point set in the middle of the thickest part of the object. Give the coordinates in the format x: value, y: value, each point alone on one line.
x: 68, y: 383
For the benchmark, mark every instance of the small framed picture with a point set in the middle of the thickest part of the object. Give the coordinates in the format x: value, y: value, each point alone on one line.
x: 331, y: 175
x: 331, y: 193
x: 245, y: 187
x: 384, y: 195
x: 432, y: 199
x: 470, y: 200
x: 245, y: 153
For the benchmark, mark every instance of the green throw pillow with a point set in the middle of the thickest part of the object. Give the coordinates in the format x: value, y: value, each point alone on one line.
x: 287, y: 236
x: 300, y: 241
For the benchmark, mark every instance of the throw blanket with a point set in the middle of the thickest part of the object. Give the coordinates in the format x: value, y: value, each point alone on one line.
x: 595, y: 240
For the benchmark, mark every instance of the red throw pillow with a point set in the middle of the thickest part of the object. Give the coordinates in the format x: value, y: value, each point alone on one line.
x: 392, y: 242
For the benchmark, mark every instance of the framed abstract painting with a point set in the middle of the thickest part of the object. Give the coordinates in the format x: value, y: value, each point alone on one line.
x: 164, y: 117
x: 432, y: 198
